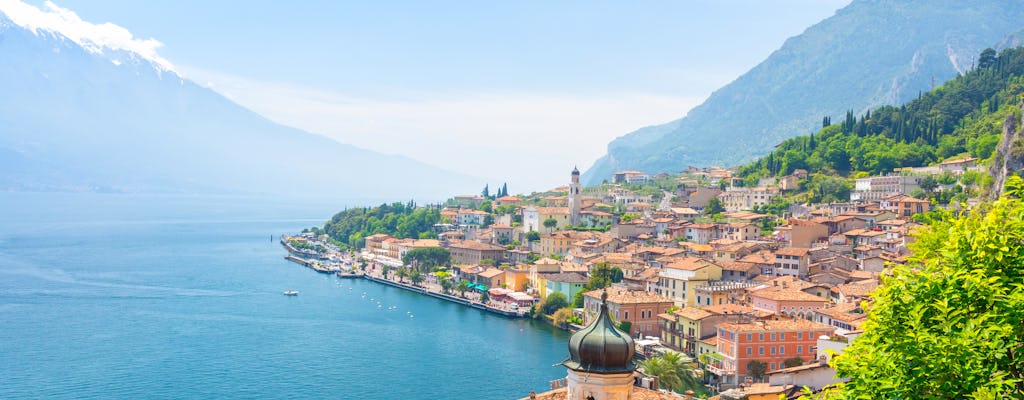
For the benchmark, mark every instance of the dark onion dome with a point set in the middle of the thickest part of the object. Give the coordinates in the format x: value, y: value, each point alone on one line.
x: 575, y: 171
x: 601, y: 347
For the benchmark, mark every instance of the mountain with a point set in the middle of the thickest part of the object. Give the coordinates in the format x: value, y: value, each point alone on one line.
x: 78, y: 116
x: 870, y: 53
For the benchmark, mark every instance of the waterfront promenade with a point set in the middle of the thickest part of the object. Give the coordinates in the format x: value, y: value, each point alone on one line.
x: 376, y: 273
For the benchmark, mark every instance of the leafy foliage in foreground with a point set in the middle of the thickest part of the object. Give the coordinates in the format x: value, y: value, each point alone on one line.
x: 951, y: 324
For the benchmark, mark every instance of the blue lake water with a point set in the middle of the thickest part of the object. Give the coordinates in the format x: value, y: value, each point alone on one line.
x: 117, y: 296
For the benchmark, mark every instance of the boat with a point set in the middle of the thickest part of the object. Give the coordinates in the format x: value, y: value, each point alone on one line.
x: 291, y: 293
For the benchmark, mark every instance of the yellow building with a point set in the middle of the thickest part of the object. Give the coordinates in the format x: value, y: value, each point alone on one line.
x: 679, y: 279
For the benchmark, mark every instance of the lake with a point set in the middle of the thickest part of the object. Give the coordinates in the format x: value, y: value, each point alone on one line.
x: 130, y: 296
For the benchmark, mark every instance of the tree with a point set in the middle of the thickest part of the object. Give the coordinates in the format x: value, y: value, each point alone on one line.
x: 562, y: 316
x: 714, y: 207
x: 533, y: 236
x: 987, y: 58
x: 950, y: 324
x: 757, y: 369
x: 554, y: 302
x: 928, y: 183
x: 416, y: 277
x: 486, y: 206
x: 401, y: 274
x: 446, y: 284
x: 485, y: 297
x: 550, y: 223
x: 793, y: 362
x: 426, y: 258
x: 462, y: 287
x: 486, y: 193
x: 603, y: 275
x: 626, y: 326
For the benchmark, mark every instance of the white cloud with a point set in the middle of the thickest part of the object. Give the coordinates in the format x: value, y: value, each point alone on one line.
x: 529, y: 139
x: 93, y: 37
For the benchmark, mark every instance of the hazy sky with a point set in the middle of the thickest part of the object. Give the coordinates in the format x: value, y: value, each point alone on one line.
x: 507, y: 91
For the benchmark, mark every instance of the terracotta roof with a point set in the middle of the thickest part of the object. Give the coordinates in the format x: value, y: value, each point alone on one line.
x: 690, y: 264
x: 792, y: 251
x: 775, y: 325
x: 566, y: 277
x: 787, y: 295
x: 624, y: 296
x: 730, y: 309
x: 639, y: 393
x: 472, y: 245
x: 692, y: 313
x: 491, y: 272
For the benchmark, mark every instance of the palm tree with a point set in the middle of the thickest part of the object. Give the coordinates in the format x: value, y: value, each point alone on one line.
x: 416, y: 277
x: 673, y: 371
x: 401, y: 274
x: 684, y: 370
x: 668, y: 378
x: 446, y: 285
x: 463, y: 287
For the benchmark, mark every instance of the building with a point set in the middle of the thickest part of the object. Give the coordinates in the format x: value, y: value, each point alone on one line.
x: 740, y: 198
x: 637, y: 307
x: 575, y: 197
x: 534, y: 217
x: 792, y: 261
x: 471, y: 252
x: 678, y: 279
x: 906, y: 206
x: 630, y: 177
x: 466, y: 216
x: 876, y: 188
x: 788, y: 301
x: 769, y: 341
x: 566, y: 283
x: 799, y: 233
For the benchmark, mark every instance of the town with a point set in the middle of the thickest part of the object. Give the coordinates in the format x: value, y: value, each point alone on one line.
x: 756, y: 292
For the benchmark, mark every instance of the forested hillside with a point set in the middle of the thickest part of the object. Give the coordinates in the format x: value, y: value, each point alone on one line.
x: 352, y: 226
x: 962, y: 117
x: 871, y: 53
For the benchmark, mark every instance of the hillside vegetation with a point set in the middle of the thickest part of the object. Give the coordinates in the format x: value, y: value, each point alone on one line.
x: 869, y: 54
x: 962, y: 117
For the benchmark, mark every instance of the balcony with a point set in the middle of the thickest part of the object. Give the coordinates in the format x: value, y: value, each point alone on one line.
x: 718, y: 371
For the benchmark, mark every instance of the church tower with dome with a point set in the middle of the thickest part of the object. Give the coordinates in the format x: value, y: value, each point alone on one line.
x: 600, y: 363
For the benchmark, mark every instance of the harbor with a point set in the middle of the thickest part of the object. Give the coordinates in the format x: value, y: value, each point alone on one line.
x: 334, y: 262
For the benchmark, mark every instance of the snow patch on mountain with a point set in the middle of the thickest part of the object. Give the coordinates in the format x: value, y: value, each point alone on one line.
x: 107, y: 39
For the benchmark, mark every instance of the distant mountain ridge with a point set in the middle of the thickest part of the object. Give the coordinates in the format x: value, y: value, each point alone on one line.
x: 870, y: 53
x: 75, y: 119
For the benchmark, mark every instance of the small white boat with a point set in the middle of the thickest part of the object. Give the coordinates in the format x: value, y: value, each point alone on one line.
x: 291, y: 293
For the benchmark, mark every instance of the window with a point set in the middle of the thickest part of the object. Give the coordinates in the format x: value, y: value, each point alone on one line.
x: 772, y: 349
x: 625, y: 315
x: 771, y: 367
x: 773, y: 336
x: 782, y: 349
x: 750, y: 337
x: 799, y: 336
x: 749, y: 350
x: 760, y: 350
x: 799, y: 349
x: 760, y: 337
x: 782, y: 336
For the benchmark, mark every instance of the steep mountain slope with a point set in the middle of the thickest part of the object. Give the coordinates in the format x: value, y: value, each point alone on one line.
x: 871, y: 53
x: 72, y: 118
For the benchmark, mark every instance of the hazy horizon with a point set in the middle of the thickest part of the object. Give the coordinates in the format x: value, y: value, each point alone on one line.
x: 543, y: 86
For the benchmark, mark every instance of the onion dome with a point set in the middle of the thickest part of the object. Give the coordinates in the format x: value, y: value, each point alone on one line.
x: 601, y: 347
x: 575, y: 171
